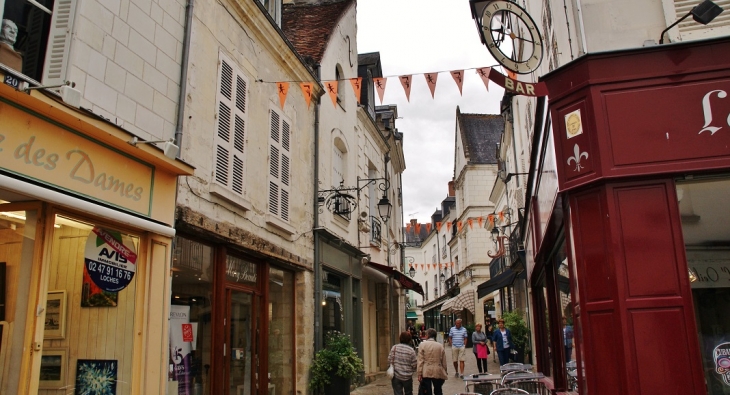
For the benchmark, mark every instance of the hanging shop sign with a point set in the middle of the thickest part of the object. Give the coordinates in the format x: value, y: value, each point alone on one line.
x: 110, y: 261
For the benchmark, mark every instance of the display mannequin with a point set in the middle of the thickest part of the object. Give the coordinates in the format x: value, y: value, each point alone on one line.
x: 8, y: 55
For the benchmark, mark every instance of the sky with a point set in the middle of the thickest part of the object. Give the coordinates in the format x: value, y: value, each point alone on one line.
x: 425, y: 36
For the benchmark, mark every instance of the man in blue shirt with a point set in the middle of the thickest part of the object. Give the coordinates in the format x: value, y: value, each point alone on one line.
x: 457, y: 341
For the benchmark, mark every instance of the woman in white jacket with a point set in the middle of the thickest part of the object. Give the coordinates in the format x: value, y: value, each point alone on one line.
x: 432, y: 370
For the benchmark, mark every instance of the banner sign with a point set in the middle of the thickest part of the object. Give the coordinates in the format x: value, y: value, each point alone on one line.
x: 110, y: 262
x: 181, y: 347
x: 518, y: 87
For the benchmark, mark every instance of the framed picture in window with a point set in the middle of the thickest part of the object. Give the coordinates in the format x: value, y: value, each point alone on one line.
x: 53, y: 368
x: 55, y: 324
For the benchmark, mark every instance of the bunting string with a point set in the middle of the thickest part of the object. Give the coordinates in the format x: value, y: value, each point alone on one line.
x: 509, y: 82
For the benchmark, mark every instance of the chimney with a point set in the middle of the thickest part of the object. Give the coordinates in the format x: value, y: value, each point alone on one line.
x: 414, y: 221
x: 452, y: 191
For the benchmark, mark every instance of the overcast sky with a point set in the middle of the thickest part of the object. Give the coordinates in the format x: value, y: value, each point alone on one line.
x: 424, y: 36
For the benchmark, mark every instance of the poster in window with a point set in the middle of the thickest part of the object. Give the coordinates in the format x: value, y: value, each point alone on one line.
x: 96, y: 377
x: 54, y: 326
x: 110, y: 259
x: 53, y: 368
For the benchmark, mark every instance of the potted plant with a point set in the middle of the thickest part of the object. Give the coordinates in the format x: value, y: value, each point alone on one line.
x: 515, y: 322
x: 336, y: 365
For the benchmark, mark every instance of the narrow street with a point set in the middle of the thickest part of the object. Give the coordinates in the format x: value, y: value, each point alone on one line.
x: 453, y: 385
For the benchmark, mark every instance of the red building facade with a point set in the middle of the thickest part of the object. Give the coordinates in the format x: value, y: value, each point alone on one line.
x: 628, y: 240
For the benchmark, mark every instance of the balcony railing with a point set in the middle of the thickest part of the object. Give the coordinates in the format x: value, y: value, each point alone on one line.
x: 443, y: 252
x: 451, y: 282
x: 375, y: 230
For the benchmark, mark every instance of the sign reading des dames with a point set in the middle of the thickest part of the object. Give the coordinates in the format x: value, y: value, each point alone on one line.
x: 109, y: 261
x: 42, y: 150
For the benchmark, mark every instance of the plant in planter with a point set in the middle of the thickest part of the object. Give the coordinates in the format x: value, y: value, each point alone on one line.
x: 515, y: 322
x: 337, y: 362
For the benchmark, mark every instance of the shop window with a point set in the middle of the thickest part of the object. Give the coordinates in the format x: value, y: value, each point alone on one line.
x: 191, y: 330
x: 35, y: 38
x: 279, y: 162
x: 241, y: 271
x: 333, y: 309
x: 567, y: 322
x: 230, y: 135
x: 281, y: 333
x: 90, y: 309
x: 544, y: 350
x: 706, y: 231
x: 18, y: 233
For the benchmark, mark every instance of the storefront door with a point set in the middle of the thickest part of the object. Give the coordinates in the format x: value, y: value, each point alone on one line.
x: 242, y: 340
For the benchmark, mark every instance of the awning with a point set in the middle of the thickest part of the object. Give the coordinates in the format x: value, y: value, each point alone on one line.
x: 499, y: 281
x: 399, y: 277
x: 446, y: 307
x: 464, y: 300
x: 411, y: 315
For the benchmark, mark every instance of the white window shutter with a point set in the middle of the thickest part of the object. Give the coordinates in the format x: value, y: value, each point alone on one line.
x: 59, y: 42
x: 230, y: 133
x: 279, y: 166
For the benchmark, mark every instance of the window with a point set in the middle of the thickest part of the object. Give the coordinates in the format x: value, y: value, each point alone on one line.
x: 340, y: 86
x: 40, y: 32
x: 339, y: 162
x: 229, y: 155
x: 279, y: 162
x: 691, y: 30
x: 274, y: 9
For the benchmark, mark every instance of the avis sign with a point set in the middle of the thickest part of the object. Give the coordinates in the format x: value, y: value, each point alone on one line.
x: 110, y: 259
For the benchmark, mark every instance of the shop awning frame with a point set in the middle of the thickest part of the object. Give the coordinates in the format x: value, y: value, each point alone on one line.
x: 401, y: 278
x: 504, y: 279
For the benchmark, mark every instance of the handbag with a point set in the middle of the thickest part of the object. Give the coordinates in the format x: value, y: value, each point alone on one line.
x: 391, y: 372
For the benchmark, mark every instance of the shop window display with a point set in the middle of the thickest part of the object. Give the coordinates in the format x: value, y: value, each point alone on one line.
x: 706, y: 231
x: 26, y: 27
x: 91, y: 297
x: 191, y: 318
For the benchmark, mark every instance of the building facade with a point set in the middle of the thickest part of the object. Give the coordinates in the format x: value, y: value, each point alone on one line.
x: 613, y: 246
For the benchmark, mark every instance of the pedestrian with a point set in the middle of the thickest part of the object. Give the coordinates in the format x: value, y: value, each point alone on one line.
x: 502, y: 338
x: 432, y: 371
x: 415, y: 340
x: 423, y: 334
x: 480, y: 344
x: 489, y: 332
x: 567, y: 339
x: 457, y: 341
x: 403, y: 359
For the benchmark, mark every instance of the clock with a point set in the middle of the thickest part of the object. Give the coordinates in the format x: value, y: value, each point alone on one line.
x: 510, y: 34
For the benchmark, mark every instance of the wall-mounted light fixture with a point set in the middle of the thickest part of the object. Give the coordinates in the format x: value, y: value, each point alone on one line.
x: 339, y: 201
x: 702, y: 13
x: 169, y: 148
x: 412, y: 272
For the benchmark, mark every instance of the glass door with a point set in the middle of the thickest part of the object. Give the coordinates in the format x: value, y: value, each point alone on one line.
x: 240, y: 348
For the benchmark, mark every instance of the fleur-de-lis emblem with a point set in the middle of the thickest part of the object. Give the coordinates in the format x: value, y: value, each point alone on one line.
x: 577, y: 155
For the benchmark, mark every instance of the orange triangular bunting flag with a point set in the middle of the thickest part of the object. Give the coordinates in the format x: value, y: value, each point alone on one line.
x: 458, y: 78
x: 490, y: 219
x: 282, y: 88
x: 405, y: 80
x: 356, y: 87
x: 422, y: 265
x: 512, y: 74
x: 431, y: 81
x: 418, y: 229
x: 484, y: 74
x: 459, y: 225
x: 501, y: 216
x: 380, y: 87
x: 438, y: 226
x: 440, y: 266
x: 448, y: 226
x: 408, y: 228
x: 470, y: 222
x: 480, y: 221
x: 331, y: 87
x: 428, y: 228
x: 307, y: 88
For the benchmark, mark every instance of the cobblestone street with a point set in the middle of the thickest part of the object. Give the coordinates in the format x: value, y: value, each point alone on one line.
x: 453, y: 385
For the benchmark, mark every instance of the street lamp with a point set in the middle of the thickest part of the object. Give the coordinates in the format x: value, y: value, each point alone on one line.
x: 412, y: 272
x: 384, y: 207
x: 442, y: 277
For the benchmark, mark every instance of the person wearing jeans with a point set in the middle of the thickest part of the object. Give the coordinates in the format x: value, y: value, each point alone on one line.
x: 403, y: 359
x: 432, y: 370
x: 502, y: 338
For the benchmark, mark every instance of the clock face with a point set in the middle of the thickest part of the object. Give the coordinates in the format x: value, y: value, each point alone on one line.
x: 511, y: 36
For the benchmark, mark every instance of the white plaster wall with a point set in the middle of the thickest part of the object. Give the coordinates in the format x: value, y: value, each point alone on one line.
x: 216, y: 30
x: 125, y: 59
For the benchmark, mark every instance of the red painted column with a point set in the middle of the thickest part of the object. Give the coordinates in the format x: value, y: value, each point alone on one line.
x: 633, y: 292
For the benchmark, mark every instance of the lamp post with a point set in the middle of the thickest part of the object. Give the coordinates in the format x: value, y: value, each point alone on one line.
x: 412, y: 272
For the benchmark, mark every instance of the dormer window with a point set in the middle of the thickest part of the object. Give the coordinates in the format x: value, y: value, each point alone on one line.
x: 274, y: 9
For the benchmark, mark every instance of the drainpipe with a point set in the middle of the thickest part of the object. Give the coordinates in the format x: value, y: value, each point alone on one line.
x: 184, y: 74
x: 317, y: 267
